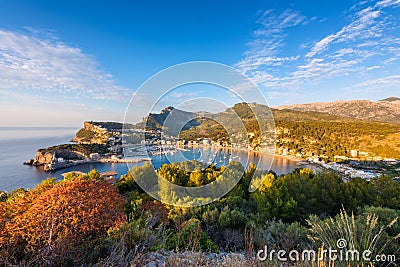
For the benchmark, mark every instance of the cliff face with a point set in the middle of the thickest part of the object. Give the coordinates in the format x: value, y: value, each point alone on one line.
x: 176, y: 118
x: 96, y: 132
x: 44, y: 156
x: 90, y: 126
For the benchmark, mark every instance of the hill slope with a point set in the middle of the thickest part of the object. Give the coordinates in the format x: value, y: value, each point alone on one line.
x: 305, y: 133
x: 385, y: 110
x: 176, y: 117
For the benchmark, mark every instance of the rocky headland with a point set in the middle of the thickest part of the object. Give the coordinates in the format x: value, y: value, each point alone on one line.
x: 94, y: 141
x: 53, y: 158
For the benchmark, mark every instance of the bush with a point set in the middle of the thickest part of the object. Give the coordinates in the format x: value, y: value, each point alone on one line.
x: 232, y: 218
x: 191, y: 237
x: 53, y: 224
x: 85, y: 135
x: 360, y: 234
x: 279, y: 235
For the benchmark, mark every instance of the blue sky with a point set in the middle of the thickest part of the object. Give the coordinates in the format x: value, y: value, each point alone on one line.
x: 62, y: 62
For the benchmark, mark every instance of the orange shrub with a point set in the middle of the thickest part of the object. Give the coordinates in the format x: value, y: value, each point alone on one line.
x: 54, y: 221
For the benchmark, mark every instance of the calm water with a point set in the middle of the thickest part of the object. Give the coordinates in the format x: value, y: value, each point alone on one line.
x: 18, y: 144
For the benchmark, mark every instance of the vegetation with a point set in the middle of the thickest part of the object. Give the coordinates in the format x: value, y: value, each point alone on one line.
x: 80, y: 220
x: 338, y: 138
x: 55, y: 223
x: 85, y: 135
x: 85, y: 149
x: 278, y: 214
x: 359, y: 234
x: 109, y: 125
x: 208, y: 129
x: 307, y: 133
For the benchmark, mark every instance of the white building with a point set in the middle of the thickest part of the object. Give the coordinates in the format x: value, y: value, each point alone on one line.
x: 354, y: 153
x: 94, y: 156
x: 206, y: 141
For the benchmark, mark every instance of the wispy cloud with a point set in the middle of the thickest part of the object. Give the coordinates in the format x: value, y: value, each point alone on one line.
x: 386, y: 3
x: 365, y: 44
x: 362, y: 27
x: 376, y: 84
x: 269, y: 40
x: 32, y: 61
x: 184, y: 95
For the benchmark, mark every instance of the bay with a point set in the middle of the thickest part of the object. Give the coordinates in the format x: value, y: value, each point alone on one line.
x: 19, y: 144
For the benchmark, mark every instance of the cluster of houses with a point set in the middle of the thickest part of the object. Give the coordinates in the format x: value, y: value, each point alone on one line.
x: 354, y: 154
x: 349, y: 171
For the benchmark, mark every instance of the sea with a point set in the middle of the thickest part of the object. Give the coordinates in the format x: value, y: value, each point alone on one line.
x: 19, y: 144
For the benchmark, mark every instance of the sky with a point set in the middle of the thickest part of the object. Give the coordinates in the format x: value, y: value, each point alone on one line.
x: 63, y: 62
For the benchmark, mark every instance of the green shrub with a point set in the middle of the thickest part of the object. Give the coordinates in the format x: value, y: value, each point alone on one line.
x: 85, y: 135
x: 232, y: 218
x: 361, y: 234
x: 191, y: 237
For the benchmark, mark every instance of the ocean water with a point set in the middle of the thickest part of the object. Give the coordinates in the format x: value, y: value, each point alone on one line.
x: 18, y: 144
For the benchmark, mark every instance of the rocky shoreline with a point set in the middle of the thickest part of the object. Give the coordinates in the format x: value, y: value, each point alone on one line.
x: 124, y: 160
x: 51, y: 162
x: 53, y: 166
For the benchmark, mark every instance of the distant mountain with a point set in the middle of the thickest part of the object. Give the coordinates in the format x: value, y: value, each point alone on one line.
x: 390, y: 99
x: 334, y: 130
x: 385, y: 110
x: 302, y: 133
x: 177, y: 120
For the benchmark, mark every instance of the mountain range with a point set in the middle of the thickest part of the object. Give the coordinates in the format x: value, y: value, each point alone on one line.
x: 385, y: 110
x: 176, y: 117
x: 317, y: 129
x: 323, y: 129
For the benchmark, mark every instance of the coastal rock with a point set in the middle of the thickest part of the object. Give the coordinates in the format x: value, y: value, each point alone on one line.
x: 95, y: 127
x: 29, y: 162
x: 45, y: 157
x: 42, y: 157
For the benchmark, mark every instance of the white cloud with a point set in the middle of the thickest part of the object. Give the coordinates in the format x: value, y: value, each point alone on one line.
x: 367, y: 42
x: 384, y: 82
x: 253, y: 62
x: 184, y: 95
x: 269, y: 40
x: 386, y: 3
x: 360, y: 27
x: 373, y: 68
x: 32, y: 62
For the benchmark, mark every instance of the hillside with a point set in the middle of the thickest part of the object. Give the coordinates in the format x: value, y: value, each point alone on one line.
x: 335, y: 137
x: 98, y: 132
x: 390, y: 99
x: 301, y: 133
x: 176, y: 117
x: 385, y: 110
x: 307, y: 133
